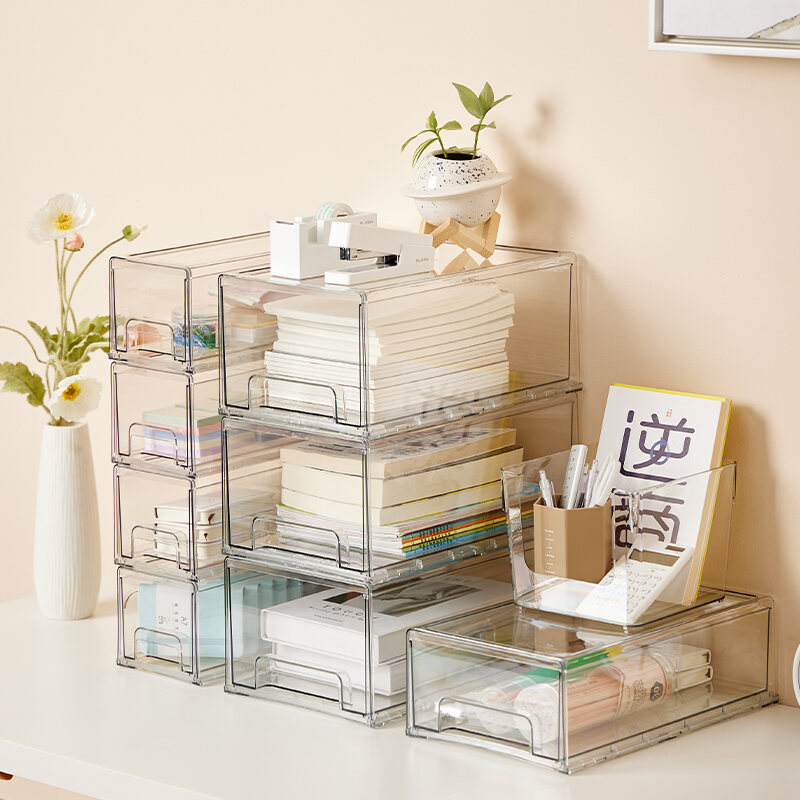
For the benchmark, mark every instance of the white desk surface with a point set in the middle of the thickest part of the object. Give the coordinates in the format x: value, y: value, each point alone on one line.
x: 72, y: 718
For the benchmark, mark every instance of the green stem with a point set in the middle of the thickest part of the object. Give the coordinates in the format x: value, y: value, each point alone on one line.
x: 89, y: 264
x: 61, y: 297
x: 438, y: 136
x: 64, y: 275
x: 30, y: 343
x: 475, y: 146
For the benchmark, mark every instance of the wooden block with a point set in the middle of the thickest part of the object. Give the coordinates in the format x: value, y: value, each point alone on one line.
x: 461, y: 262
x: 444, y: 232
x: 489, y: 234
x: 468, y: 237
x: 475, y: 264
x: 426, y: 227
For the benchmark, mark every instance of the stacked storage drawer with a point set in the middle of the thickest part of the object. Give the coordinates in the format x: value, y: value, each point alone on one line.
x: 386, y: 414
x: 166, y: 449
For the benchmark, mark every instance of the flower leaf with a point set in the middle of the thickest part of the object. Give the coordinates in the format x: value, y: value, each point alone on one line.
x: 407, y: 142
x: 470, y: 101
x: 464, y: 151
x: 91, y: 334
x: 497, y: 102
x: 18, y: 378
x: 486, y: 96
x: 432, y: 121
x: 453, y: 125
x: 50, y: 340
x: 421, y: 149
x: 479, y: 126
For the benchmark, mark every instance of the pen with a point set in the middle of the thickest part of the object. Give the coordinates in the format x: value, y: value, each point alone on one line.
x: 545, y: 488
x: 587, y: 501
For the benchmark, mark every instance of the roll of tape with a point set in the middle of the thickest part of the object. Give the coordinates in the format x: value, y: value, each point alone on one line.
x: 332, y: 210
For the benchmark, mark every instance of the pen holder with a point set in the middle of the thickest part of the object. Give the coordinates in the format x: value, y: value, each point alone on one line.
x: 572, y: 543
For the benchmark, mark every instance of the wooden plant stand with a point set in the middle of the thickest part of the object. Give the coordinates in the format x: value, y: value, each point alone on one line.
x: 481, y: 240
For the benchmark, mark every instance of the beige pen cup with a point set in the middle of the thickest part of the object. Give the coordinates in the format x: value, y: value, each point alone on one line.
x: 572, y: 543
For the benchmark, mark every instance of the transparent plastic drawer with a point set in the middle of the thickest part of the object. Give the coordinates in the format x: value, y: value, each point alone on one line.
x: 165, y: 421
x: 171, y: 626
x: 400, y: 354
x: 172, y: 525
x: 644, y: 556
x: 163, y: 304
x: 381, y: 509
x: 336, y: 646
x: 567, y: 695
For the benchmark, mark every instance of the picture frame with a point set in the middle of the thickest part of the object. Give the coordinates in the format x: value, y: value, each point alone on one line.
x: 767, y: 28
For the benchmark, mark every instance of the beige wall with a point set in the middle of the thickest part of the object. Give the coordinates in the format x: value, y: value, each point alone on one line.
x: 673, y: 176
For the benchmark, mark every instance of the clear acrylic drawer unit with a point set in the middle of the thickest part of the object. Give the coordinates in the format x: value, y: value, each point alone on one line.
x: 337, y: 646
x: 377, y: 510
x: 165, y: 421
x: 172, y: 525
x: 646, y: 555
x: 402, y: 354
x: 176, y: 627
x: 163, y: 304
x: 171, y: 627
x: 567, y: 695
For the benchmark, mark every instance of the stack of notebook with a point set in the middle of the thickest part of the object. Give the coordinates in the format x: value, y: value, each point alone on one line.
x: 327, y: 629
x: 423, y: 351
x: 425, y: 493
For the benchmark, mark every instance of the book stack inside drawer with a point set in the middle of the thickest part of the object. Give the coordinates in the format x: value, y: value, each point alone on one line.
x: 339, y: 646
x: 384, y: 508
x: 166, y: 449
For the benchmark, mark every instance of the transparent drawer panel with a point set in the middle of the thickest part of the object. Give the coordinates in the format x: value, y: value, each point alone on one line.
x: 389, y: 507
x: 567, y: 695
x: 645, y: 555
x: 337, y: 646
x: 172, y: 627
x: 172, y: 525
x: 163, y: 304
x: 164, y: 420
x: 399, y: 354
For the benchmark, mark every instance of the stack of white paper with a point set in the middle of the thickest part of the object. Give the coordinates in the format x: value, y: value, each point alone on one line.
x: 421, y: 351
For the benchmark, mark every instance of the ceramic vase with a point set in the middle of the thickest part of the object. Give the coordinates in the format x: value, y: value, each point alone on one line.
x: 466, y: 189
x: 66, y: 545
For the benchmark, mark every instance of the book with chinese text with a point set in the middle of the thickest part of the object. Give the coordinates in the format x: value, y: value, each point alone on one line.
x: 659, y: 437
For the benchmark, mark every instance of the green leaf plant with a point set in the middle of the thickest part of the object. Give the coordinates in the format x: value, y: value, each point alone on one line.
x: 434, y: 130
x: 477, y: 105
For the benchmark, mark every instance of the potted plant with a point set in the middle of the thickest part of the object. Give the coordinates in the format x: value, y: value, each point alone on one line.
x: 66, y: 551
x: 456, y: 182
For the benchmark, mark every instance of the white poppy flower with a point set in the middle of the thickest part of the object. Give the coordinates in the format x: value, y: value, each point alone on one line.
x: 61, y: 215
x: 74, y: 398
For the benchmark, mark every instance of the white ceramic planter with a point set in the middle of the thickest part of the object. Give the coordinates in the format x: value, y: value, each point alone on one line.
x: 467, y: 190
x: 66, y: 545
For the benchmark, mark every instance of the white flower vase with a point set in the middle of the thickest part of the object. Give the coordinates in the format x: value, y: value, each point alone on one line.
x: 66, y: 545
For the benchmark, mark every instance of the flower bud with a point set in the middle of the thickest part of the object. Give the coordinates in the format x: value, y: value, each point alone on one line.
x: 73, y: 242
x: 131, y: 232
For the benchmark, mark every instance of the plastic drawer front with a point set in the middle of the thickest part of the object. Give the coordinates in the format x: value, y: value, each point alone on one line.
x: 339, y: 647
x: 404, y: 354
x: 163, y: 305
x: 377, y: 510
x: 568, y: 694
